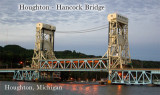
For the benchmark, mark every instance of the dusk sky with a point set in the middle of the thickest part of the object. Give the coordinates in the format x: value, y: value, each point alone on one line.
x: 19, y: 27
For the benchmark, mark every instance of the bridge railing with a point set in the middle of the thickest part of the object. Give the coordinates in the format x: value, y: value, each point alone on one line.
x: 74, y: 64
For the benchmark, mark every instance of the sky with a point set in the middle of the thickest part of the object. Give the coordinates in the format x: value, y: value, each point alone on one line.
x: 19, y: 27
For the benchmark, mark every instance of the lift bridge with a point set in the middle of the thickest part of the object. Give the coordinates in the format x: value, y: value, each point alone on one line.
x: 114, y: 62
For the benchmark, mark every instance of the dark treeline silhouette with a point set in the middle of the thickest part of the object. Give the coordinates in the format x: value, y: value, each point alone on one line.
x: 14, y: 54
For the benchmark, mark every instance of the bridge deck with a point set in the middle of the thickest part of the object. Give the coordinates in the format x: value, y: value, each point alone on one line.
x: 153, y: 70
x: 15, y: 69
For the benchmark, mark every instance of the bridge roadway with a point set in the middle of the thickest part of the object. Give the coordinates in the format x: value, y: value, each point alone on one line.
x: 17, y: 69
x: 10, y: 70
x: 136, y: 76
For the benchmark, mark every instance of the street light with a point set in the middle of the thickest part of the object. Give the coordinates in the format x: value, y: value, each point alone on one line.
x: 21, y: 62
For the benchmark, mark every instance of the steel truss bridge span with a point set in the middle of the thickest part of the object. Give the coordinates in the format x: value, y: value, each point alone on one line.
x: 53, y: 67
x: 134, y: 76
x: 96, y: 64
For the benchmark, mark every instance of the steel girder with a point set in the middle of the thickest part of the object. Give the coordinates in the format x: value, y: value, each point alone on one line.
x: 26, y: 75
x: 74, y: 65
x: 130, y: 77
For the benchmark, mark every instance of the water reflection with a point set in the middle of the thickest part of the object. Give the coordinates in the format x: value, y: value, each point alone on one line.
x: 119, y: 89
x: 74, y: 87
x: 79, y: 89
x: 85, y: 89
x: 20, y: 83
x: 49, y: 84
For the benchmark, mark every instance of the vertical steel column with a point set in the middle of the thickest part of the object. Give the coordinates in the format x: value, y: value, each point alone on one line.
x: 143, y: 77
x: 151, y: 78
x: 64, y: 64
x: 53, y: 39
x: 14, y: 75
x: 129, y: 72
x: 136, y: 78
x: 122, y: 81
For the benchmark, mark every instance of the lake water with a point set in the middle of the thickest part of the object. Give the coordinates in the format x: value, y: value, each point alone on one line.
x: 37, y: 88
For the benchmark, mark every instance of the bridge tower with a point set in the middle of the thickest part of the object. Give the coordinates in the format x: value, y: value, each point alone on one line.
x: 44, y: 45
x: 118, y: 47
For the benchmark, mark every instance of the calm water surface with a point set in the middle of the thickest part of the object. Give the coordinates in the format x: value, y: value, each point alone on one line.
x: 77, y: 89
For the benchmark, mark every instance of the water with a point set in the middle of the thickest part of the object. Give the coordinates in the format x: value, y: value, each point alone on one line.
x: 76, y: 89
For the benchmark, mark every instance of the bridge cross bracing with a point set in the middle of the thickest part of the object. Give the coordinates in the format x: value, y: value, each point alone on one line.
x: 74, y: 65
